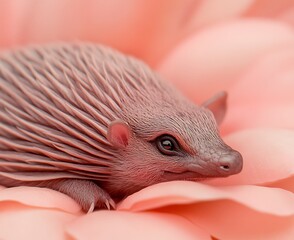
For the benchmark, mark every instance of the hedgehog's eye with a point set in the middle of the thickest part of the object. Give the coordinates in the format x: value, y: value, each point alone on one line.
x: 167, y: 145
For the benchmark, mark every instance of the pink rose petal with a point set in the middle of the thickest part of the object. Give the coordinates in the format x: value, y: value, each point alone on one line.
x: 127, y: 226
x: 231, y: 221
x: 286, y: 183
x: 28, y: 223
x: 264, y: 96
x: 233, y: 212
x: 214, y: 58
x: 39, y: 197
x: 267, y: 154
x: 272, y: 201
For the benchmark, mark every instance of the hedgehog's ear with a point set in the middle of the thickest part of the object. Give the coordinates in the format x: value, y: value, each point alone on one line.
x: 119, y: 134
x: 218, y: 105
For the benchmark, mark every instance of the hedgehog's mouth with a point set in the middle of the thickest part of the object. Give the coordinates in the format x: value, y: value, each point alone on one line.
x: 186, y: 175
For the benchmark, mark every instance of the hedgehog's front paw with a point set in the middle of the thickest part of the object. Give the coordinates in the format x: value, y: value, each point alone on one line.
x: 101, y: 200
x: 86, y: 193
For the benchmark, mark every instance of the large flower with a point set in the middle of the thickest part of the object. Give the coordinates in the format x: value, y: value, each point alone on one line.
x: 245, y: 47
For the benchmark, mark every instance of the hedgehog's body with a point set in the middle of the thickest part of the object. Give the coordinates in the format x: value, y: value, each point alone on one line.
x: 75, y: 117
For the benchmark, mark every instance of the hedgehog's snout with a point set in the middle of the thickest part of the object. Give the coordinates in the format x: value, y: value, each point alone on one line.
x: 230, y: 163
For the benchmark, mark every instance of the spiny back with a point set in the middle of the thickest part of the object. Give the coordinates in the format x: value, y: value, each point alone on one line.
x: 56, y: 103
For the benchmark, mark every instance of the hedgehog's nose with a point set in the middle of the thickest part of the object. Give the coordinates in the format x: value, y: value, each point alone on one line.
x: 230, y: 163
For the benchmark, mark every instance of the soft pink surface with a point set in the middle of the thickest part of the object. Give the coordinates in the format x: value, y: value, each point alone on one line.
x: 281, y: 203
x: 245, y: 47
x: 267, y: 215
x: 39, y: 197
x: 127, y: 225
